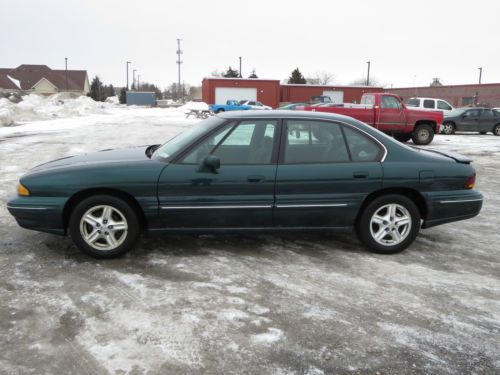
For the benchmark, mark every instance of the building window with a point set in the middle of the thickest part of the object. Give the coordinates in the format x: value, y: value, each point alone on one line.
x: 468, y: 101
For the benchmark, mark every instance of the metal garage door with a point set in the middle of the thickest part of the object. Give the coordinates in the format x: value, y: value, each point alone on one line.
x: 336, y: 96
x: 223, y: 94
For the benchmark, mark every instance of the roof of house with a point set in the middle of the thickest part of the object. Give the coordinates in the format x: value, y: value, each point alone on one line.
x: 30, y: 75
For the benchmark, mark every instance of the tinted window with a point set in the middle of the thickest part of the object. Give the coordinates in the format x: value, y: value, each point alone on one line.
x: 361, y: 147
x: 487, y: 113
x: 314, y: 142
x: 413, y: 102
x: 443, y: 105
x: 472, y: 113
x: 250, y: 142
x: 428, y: 103
x: 389, y: 102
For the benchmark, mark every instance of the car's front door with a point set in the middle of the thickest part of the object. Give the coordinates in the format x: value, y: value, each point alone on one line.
x: 326, y: 170
x: 469, y: 122
x: 238, y: 194
x: 391, y: 116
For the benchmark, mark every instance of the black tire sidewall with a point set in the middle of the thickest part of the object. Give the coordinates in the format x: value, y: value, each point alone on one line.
x: 495, y: 130
x: 415, y: 137
x: 133, y: 230
x: 363, y: 227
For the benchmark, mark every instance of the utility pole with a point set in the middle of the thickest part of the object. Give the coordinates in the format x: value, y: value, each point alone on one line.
x: 480, y: 74
x: 179, y: 62
x: 133, y: 79
x: 240, y: 66
x: 368, y: 75
x: 138, y: 84
x: 66, y: 64
x: 128, y: 62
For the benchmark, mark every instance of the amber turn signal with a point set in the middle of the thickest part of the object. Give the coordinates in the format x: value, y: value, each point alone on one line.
x: 22, y: 190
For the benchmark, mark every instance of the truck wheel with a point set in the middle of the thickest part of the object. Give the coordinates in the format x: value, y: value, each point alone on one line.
x: 422, y: 134
x: 402, y: 137
x: 389, y: 224
x: 104, y: 226
x: 448, y: 128
x: 219, y: 110
x: 496, y: 129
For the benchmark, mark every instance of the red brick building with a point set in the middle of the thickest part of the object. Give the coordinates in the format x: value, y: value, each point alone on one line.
x: 291, y: 93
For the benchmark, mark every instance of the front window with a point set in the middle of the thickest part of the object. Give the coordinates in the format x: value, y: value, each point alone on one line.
x: 184, y: 139
x: 443, y: 105
x: 389, y: 102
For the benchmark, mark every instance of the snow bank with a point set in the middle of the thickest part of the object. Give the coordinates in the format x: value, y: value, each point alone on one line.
x: 36, y: 107
x: 201, y: 106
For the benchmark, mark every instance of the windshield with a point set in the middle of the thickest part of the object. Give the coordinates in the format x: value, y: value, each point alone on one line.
x: 185, y: 138
x: 455, y: 112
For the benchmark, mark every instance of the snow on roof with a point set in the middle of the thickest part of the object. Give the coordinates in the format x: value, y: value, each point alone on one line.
x: 15, y: 81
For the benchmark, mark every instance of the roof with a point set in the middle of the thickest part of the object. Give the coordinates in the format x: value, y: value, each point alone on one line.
x: 330, y: 86
x: 30, y: 75
x: 277, y: 113
x: 242, y: 79
x: 446, y: 86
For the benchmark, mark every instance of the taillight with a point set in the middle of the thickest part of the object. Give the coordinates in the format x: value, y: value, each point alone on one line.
x: 471, y: 182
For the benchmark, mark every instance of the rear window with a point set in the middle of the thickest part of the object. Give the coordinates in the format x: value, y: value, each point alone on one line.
x: 413, y: 103
x: 368, y: 99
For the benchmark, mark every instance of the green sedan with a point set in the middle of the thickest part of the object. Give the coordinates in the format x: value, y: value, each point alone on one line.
x: 251, y: 171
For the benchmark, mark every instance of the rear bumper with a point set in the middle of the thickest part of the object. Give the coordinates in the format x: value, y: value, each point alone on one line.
x: 44, y: 214
x: 446, y: 207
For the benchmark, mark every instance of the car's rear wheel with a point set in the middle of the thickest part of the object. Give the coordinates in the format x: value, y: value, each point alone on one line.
x: 389, y: 224
x: 496, y: 129
x: 422, y: 134
x: 402, y: 137
x: 104, y: 226
x: 448, y: 128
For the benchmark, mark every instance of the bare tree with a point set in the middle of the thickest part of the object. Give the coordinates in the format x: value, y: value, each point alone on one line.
x: 362, y: 82
x: 321, y: 78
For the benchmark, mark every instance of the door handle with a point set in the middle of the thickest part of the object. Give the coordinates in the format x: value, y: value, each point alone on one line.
x: 255, y: 178
x: 360, y: 174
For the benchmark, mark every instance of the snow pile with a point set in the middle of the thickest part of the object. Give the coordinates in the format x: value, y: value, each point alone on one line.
x: 200, y: 106
x: 34, y: 107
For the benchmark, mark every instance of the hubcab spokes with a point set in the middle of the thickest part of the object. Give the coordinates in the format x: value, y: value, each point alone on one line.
x: 103, y: 227
x: 390, y: 224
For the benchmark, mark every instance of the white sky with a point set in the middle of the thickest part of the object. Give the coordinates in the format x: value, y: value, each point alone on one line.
x: 407, y: 42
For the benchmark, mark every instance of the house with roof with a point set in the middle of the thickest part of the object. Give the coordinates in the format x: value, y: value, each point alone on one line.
x: 40, y: 79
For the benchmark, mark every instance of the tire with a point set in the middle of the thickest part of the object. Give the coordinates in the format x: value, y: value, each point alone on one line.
x: 402, y: 137
x: 378, y: 217
x: 423, y: 134
x: 92, y: 233
x: 219, y: 110
x: 496, y: 129
x: 448, y: 128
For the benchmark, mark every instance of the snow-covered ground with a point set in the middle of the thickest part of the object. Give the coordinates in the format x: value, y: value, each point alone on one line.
x: 257, y: 304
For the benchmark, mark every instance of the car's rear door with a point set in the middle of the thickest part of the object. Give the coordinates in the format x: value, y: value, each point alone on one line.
x: 325, y: 172
x: 240, y: 194
x: 487, y: 120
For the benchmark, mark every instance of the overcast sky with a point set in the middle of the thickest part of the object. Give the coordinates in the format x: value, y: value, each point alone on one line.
x: 407, y: 42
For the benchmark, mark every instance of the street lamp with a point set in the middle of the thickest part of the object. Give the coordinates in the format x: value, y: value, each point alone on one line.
x: 138, y: 84
x: 128, y: 62
x: 240, y: 66
x: 368, y: 74
x: 133, y: 79
x: 66, y: 64
x: 480, y: 74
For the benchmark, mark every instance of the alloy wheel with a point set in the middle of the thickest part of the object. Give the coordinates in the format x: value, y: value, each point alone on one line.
x: 103, y: 227
x: 390, y: 224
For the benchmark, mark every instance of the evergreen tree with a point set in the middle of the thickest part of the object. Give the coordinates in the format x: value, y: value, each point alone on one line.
x: 253, y: 75
x: 230, y: 73
x: 297, y: 77
x: 123, y: 96
x: 97, y: 90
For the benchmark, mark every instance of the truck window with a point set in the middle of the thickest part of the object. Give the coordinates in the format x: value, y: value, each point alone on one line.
x: 429, y: 103
x: 443, y: 105
x: 389, y: 102
x: 413, y: 103
x: 368, y: 100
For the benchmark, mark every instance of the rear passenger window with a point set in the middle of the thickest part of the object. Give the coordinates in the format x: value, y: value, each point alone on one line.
x: 361, y: 147
x: 413, y: 103
x: 314, y: 142
x: 429, y: 104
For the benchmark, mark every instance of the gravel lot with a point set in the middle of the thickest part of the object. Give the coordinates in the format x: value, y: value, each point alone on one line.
x: 256, y: 304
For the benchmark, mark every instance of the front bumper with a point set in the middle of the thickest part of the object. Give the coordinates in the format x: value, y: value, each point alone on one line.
x: 44, y: 214
x: 446, y: 207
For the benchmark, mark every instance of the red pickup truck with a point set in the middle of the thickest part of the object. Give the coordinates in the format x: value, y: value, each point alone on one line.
x: 389, y: 114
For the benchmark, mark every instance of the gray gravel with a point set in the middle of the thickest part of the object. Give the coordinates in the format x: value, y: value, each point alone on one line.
x: 259, y: 304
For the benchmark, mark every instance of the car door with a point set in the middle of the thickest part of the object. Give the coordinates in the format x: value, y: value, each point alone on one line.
x: 238, y: 194
x: 325, y: 171
x: 469, y: 121
x: 487, y: 120
x: 391, y: 115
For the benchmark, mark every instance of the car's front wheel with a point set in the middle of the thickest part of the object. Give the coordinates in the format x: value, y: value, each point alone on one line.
x: 448, y: 128
x: 389, y: 224
x: 104, y: 226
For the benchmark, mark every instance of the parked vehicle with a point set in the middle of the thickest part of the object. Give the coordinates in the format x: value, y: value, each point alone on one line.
x: 293, y: 106
x: 430, y: 104
x: 253, y: 104
x: 482, y: 120
x: 249, y: 171
x: 389, y: 114
x: 231, y: 105
x: 320, y: 99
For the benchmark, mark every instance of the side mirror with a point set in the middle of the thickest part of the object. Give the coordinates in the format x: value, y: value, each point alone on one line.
x: 211, y: 164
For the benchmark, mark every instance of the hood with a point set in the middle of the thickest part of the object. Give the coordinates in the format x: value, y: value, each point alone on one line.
x: 104, y: 156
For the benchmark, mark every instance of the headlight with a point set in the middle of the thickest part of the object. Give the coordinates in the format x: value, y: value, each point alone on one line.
x: 22, y: 190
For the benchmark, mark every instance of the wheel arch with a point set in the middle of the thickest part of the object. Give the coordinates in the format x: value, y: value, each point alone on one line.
x: 83, y: 194
x: 433, y: 124
x: 412, y: 194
